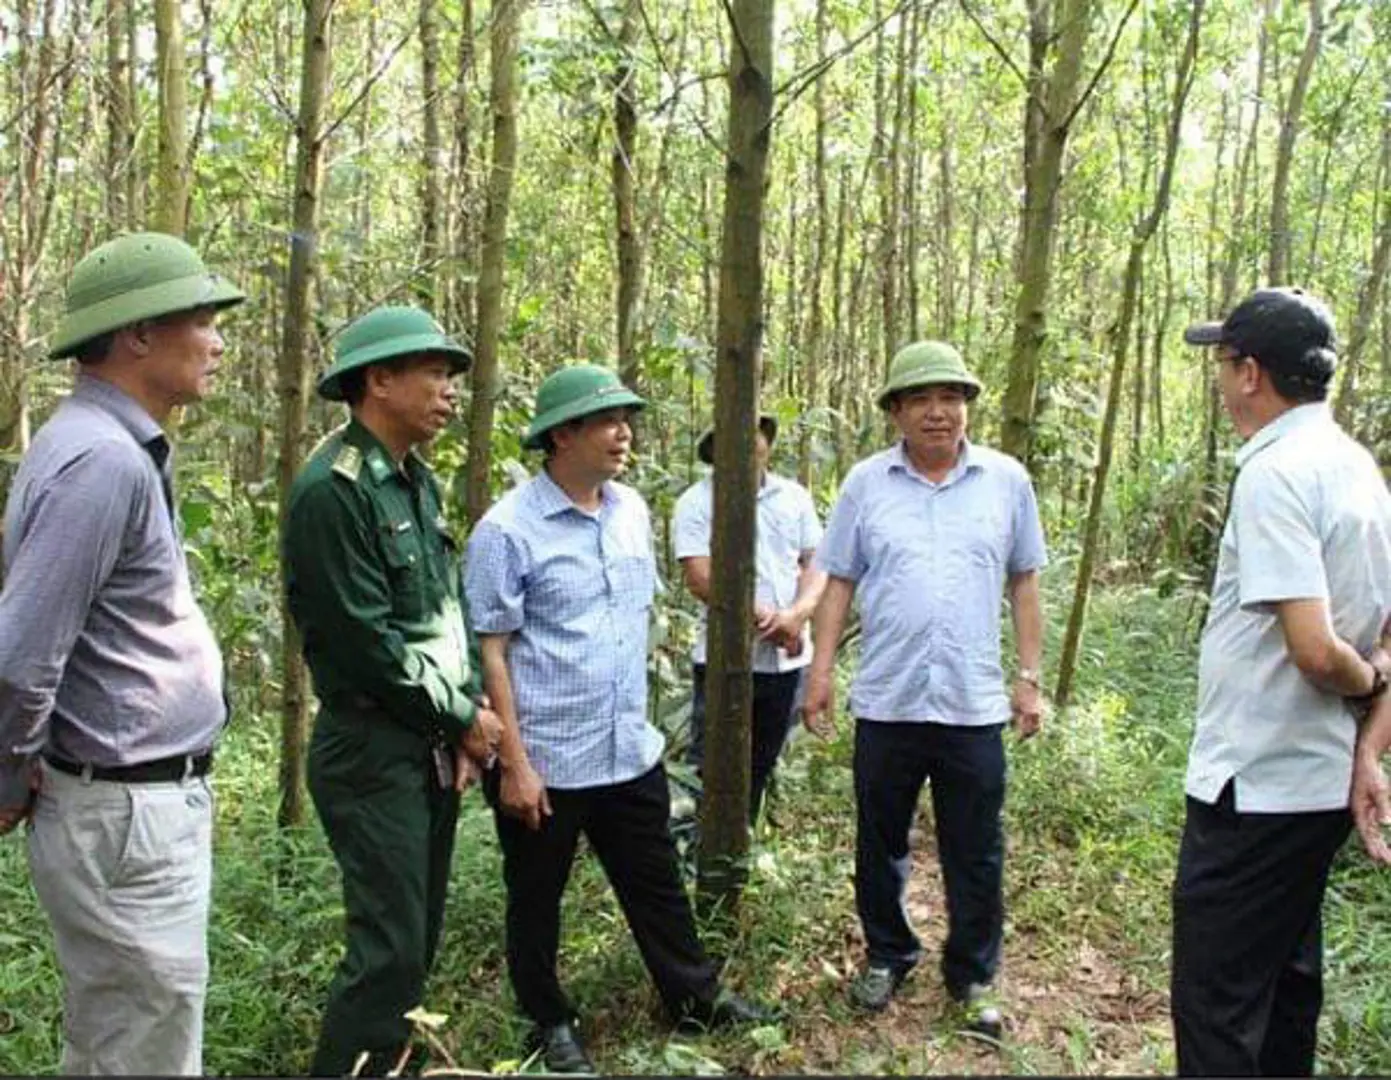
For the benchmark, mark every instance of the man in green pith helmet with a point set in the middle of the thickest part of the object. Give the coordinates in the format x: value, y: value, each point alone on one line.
x: 927, y: 537
x: 111, y: 692
x: 560, y: 579
x: 372, y: 582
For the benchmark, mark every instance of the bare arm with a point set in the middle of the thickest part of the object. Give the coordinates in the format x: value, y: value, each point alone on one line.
x: 827, y: 625
x: 521, y: 792
x: 696, y: 571
x: 1026, y: 610
x: 1370, y: 801
x: 1325, y: 659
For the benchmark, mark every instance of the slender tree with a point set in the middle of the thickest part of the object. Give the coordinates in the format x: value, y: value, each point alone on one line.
x: 1119, y: 342
x: 729, y: 689
x: 171, y: 177
x: 503, y: 103
x: 627, y: 242
x: 295, y: 367
x: 432, y: 155
x: 1279, y: 266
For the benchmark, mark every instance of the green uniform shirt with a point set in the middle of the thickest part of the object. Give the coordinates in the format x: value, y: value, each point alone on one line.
x: 372, y: 582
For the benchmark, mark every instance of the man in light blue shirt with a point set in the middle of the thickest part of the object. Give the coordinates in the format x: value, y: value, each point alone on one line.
x: 560, y: 578
x: 927, y: 537
x: 1292, y: 654
x: 786, y: 589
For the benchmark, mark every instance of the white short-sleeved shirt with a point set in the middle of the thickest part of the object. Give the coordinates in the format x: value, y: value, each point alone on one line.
x: 787, y: 526
x: 1310, y: 519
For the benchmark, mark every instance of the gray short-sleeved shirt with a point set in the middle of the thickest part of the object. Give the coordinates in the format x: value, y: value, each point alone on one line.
x: 1310, y: 519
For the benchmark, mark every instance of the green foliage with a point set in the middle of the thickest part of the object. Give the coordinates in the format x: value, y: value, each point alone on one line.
x: 1093, y: 815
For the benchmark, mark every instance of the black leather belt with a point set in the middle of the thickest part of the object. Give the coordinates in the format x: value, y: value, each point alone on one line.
x: 160, y: 771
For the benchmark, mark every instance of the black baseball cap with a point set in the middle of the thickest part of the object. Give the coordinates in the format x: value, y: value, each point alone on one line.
x: 1284, y: 330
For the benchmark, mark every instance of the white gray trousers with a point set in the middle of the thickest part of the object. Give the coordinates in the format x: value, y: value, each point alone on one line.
x: 124, y: 872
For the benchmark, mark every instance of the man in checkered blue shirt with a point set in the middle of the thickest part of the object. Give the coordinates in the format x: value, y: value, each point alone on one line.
x: 560, y: 578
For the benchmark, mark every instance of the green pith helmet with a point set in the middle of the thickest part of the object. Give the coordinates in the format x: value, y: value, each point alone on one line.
x: 384, y: 333
x: 137, y: 276
x: 928, y: 363
x: 573, y: 392
x: 705, y: 449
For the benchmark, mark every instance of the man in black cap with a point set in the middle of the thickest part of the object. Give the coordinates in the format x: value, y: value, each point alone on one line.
x: 1292, y: 655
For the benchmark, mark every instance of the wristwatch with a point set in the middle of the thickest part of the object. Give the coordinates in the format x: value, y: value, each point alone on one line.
x: 1362, y: 703
x: 1030, y: 676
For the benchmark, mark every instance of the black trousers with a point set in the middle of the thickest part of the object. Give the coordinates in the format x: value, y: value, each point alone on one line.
x: 626, y: 825
x: 966, y: 766
x: 1247, y: 980
x: 773, y: 696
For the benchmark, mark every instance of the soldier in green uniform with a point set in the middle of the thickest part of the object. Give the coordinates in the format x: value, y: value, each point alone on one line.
x: 372, y: 582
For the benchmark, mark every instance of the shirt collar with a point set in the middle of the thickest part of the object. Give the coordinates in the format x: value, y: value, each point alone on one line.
x: 967, y: 462
x: 552, y: 501
x: 380, y: 464
x: 114, y: 401
x: 1292, y: 420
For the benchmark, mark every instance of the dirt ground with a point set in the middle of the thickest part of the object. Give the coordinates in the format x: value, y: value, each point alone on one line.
x: 1069, y: 1009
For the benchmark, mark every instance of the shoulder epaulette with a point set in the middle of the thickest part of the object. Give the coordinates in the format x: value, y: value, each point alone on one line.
x: 348, y: 463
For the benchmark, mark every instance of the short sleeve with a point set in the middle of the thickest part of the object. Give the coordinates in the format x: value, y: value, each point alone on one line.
x: 494, y: 580
x: 809, y: 530
x: 1027, y: 549
x: 690, y: 524
x: 841, y: 550
x: 1279, y: 550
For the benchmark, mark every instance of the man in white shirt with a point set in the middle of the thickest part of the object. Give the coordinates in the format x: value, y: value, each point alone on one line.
x: 786, y: 590
x: 1291, y: 656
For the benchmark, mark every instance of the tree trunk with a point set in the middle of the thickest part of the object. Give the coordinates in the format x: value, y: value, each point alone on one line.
x: 729, y: 688
x: 1050, y: 110
x: 628, y: 244
x: 503, y: 103
x: 1284, y: 154
x: 171, y: 177
x: 1120, y: 340
x: 295, y: 367
x: 1370, y: 293
x: 362, y: 183
x: 462, y: 294
x: 431, y: 210
x: 815, y: 345
x: 120, y: 132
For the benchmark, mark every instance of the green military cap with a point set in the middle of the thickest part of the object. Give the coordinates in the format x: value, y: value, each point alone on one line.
x: 705, y: 449
x: 574, y: 392
x: 927, y: 363
x: 384, y: 333
x: 137, y: 276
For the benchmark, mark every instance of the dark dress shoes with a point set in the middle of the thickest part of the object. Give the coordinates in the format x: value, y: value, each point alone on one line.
x: 561, y: 1050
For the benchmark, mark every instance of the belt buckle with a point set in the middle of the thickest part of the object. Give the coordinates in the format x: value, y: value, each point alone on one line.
x: 86, y: 774
x: 188, y: 769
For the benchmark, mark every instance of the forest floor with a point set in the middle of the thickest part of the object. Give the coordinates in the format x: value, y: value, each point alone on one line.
x: 1093, y: 815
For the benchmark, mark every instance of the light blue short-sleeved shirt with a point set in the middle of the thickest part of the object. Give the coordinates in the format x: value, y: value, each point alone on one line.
x: 787, y: 526
x: 930, y: 562
x: 575, y: 590
x: 1310, y: 519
